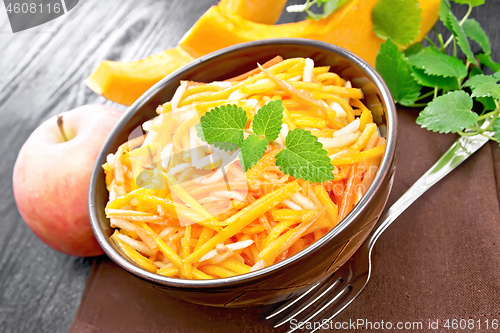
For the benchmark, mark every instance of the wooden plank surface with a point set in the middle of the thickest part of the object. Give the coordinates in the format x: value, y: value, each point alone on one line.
x: 42, y: 74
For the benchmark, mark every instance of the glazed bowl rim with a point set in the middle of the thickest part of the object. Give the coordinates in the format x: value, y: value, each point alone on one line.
x: 383, y: 171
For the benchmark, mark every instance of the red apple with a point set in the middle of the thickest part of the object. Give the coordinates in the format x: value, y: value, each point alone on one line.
x: 52, y: 175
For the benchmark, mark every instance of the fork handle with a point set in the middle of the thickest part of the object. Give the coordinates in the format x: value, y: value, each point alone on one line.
x: 454, y: 156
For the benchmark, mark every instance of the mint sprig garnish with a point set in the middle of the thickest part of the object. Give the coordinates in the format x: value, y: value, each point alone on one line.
x: 302, y: 156
x: 441, y: 82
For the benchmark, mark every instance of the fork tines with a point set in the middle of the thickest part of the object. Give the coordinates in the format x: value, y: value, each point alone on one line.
x: 313, y: 301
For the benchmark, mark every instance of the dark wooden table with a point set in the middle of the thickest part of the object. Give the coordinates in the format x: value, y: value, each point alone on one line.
x: 42, y: 73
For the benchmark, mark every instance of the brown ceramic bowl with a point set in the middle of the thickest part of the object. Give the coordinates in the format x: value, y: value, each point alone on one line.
x: 319, y: 260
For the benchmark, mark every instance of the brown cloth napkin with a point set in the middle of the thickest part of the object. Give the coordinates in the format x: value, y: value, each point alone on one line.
x: 439, y: 261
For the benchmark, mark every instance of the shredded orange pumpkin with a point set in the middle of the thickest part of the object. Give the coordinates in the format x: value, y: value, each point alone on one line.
x: 195, y: 214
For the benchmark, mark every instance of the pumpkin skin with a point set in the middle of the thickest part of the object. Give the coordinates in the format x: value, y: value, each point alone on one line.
x: 236, y: 21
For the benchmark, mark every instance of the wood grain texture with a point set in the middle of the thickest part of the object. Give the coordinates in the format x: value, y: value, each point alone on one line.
x: 42, y: 74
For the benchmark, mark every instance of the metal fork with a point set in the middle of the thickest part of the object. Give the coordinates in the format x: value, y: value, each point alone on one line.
x: 324, y: 300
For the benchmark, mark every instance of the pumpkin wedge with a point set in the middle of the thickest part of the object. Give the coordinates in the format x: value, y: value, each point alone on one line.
x: 125, y: 82
x: 258, y: 11
x: 233, y: 22
x: 349, y: 27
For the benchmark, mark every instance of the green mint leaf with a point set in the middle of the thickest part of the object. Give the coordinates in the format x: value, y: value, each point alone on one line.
x: 448, y: 113
x: 448, y: 83
x: 487, y: 102
x: 252, y: 150
x: 475, y: 71
x: 305, y: 158
x: 199, y: 129
x: 473, y: 3
x: 486, y: 60
x: 397, y: 20
x: 484, y: 86
x: 462, y: 40
x: 268, y: 120
x: 444, y: 12
x: 227, y: 146
x: 434, y: 62
x: 223, y: 127
x: 413, y: 49
x: 394, y: 68
x: 496, y: 129
x: 497, y: 75
x: 473, y: 30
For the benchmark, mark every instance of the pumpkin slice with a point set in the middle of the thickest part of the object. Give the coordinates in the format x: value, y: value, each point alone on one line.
x: 349, y: 27
x: 258, y: 11
x: 125, y: 82
x: 224, y: 25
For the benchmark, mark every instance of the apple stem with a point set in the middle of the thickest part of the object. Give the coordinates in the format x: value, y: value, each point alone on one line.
x: 61, y: 128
